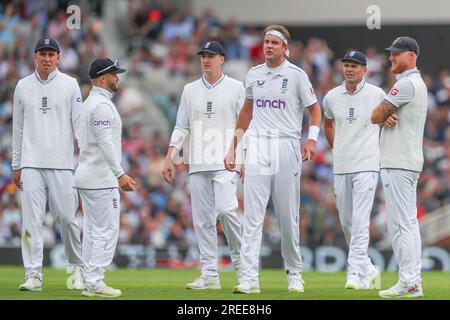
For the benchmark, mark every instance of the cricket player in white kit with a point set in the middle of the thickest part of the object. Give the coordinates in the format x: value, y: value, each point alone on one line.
x: 99, y: 175
x: 277, y: 93
x: 403, y: 113
x: 208, y: 111
x: 45, y: 113
x: 354, y: 141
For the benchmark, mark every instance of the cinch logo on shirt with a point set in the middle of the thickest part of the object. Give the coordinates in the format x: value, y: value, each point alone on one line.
x: 102, y: 123
x: 266, y: 103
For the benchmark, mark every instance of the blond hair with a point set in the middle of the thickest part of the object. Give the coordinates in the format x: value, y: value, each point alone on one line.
x: 278, y: 28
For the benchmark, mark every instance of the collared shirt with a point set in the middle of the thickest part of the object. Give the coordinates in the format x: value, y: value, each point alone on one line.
x: 359, y: 87
x: 50, y: 77
x: 209, y: 85
x: 279, y: 96
x: 106, y: 93
x: 355, y: 145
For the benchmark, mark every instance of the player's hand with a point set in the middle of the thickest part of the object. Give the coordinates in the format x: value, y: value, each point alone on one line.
x: 126, y: 183
x: 242, y: 173
x: 230, y: 160
x: 309, y: 150
x: 16, y: 177
x: 167, y: 171
x: 392, y: 120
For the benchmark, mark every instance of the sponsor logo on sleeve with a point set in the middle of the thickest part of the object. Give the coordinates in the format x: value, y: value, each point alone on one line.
x: 106, y: 123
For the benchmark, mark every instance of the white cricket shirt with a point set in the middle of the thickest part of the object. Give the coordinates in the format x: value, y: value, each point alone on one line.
x: 401, y: 146
x: 356, y: 139
x: 208, y: 113
x: 100, y: 142
x: 279, y: 97
x: 45, y: 113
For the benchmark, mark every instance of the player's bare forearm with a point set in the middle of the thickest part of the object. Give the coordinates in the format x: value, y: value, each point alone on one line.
x: 329, y: 131
x: 243, y: 121
x: 308, y: 150
x: 382, y: 112
x: 316, y: 115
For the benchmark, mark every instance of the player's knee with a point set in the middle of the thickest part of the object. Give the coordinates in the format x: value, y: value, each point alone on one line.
x: 66, y: 220
x: 225, y: 214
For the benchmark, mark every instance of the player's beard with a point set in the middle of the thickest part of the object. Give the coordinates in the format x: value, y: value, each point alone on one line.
x: 112, y: 86
x: 398, y: 67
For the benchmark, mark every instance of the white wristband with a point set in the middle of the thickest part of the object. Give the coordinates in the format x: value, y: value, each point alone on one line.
x: 313, y: 133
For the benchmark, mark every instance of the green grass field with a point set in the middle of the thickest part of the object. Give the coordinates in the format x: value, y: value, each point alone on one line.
x: 150, y: 284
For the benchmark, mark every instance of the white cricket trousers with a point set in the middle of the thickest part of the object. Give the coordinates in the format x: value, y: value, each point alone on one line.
x: 213, y: 197
x: 39, y: 186
x: 271, y: 169
x: 355, y: 193
x: 101, y: 220
x: 400, y: 187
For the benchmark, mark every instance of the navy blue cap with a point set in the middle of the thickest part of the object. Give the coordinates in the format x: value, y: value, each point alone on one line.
x: 355, y: 56
x: 404, y: 44
x: 47, y: 43
x: 102, y: 66
x: 213, y: 47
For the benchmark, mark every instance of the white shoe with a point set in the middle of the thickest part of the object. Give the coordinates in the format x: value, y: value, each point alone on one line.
x: 353, y: 282
x: 204, y: 282
x: 75, y: 280
x: 33, y: 283
x: 372, y: 279
x: 401, y: 291
x: 295, y: 283
x: 101, y: 290
x: 247, y: 286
